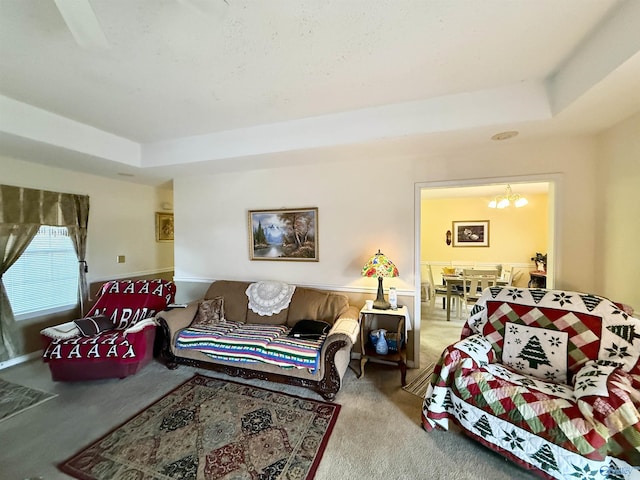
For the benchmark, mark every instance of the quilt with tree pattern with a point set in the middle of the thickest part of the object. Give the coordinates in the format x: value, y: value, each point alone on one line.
x: 548, y: 378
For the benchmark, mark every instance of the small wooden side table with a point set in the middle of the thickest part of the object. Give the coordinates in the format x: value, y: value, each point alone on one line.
x: 538, y: 279
x: 395, y: 321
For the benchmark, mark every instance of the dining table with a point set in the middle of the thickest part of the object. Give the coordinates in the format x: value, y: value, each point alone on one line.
x: 454, y: 280
x: 451, y: 281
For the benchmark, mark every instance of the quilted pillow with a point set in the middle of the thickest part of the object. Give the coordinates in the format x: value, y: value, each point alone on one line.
x: 91, y: 326
x: 535, y: 351
x: 210, y: 313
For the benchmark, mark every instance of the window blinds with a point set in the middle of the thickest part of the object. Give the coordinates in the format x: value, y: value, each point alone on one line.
x: 45, y: 277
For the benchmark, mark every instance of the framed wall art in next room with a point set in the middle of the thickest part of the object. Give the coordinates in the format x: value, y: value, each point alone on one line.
x: 471, y: 233
x: 284, y: 234
x: 164, y: 227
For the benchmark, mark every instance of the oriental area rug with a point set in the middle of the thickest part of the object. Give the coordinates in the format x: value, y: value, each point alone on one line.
x: 213, y: 429
x: 15, y: 398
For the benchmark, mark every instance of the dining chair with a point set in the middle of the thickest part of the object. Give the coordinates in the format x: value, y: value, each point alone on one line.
x: 475, y: 281
x: 506, y: 276
x: 434, y: 290
x: 441, y: 290
x: 431, y: 289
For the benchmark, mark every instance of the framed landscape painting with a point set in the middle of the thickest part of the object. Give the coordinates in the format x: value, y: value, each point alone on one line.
x: 285, y: 234
x: 473, y: 233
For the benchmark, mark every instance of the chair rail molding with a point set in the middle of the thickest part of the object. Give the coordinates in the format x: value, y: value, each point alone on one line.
x: 141, y: 273
x: 448, y: 263
x: 320, y: 286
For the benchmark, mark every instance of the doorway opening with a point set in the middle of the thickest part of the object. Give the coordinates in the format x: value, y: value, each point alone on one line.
x: 514, y: 237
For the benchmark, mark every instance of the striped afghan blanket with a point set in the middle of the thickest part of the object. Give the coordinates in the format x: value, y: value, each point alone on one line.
x: 245, y: 342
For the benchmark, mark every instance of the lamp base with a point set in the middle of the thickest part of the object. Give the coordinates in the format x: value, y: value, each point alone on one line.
x: 383, y: 305
x: 380, y: 303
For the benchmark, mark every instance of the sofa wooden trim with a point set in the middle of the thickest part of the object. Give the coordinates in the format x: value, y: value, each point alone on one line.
x: 306, y: 303
x: 327, y: 386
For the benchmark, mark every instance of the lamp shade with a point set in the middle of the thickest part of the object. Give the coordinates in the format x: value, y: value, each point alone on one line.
x: 380, y: 266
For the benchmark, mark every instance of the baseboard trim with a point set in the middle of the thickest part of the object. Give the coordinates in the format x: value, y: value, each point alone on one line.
x: 21, y: 359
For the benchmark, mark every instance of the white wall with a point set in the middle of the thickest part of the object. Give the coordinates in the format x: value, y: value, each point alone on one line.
x: 369, y: 204
x: 355, y: 219
x: 574, y: 160
x: 364, y: 205
x: 619, y: 226
x: 121, y: 217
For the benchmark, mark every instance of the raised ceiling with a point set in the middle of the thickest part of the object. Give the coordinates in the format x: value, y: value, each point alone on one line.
x: 219, y: 84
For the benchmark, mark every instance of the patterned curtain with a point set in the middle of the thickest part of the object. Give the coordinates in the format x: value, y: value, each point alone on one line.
x: 22, y: 211
x: 78, y: 220
x: 14, y: 239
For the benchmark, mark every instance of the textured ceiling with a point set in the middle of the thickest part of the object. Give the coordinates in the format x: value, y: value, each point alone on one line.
x: 175, y: 69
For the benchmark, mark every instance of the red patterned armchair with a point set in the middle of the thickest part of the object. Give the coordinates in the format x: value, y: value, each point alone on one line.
x: 549, y: 379
x: 115, y: 339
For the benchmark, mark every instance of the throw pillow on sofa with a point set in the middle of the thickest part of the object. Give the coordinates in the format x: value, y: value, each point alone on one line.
x: 91, y: 326
x: 210, y: 313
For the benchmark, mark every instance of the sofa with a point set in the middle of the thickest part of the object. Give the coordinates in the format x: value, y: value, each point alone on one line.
x: 549, y: 379
x: 249, y: 343
x: 116, y: 337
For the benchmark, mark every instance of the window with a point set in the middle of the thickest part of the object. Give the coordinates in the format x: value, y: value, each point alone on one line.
x: 45, y: 278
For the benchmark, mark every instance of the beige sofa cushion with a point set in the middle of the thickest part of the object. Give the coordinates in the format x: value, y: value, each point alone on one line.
x: 277, y: 319
x: 316, y: 305
x: 236, y: 303
x: 306, y: 304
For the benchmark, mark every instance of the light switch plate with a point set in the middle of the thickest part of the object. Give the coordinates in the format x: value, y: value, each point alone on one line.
x: 120, y: 259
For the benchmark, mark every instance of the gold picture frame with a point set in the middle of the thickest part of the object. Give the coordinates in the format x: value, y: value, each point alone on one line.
x: 285, y: 234
x: 164, y: 227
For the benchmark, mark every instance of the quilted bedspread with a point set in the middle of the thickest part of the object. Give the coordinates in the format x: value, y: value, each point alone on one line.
x: 240, y: 342
x: 550, y: 379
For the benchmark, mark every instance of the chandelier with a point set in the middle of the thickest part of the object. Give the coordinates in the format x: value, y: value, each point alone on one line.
x: 509, y: 198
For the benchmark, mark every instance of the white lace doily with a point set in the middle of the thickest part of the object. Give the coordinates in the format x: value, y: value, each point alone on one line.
x: 269, y: 297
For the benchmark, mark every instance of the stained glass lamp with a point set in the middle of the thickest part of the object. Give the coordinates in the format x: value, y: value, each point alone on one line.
x: 380, y: 266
